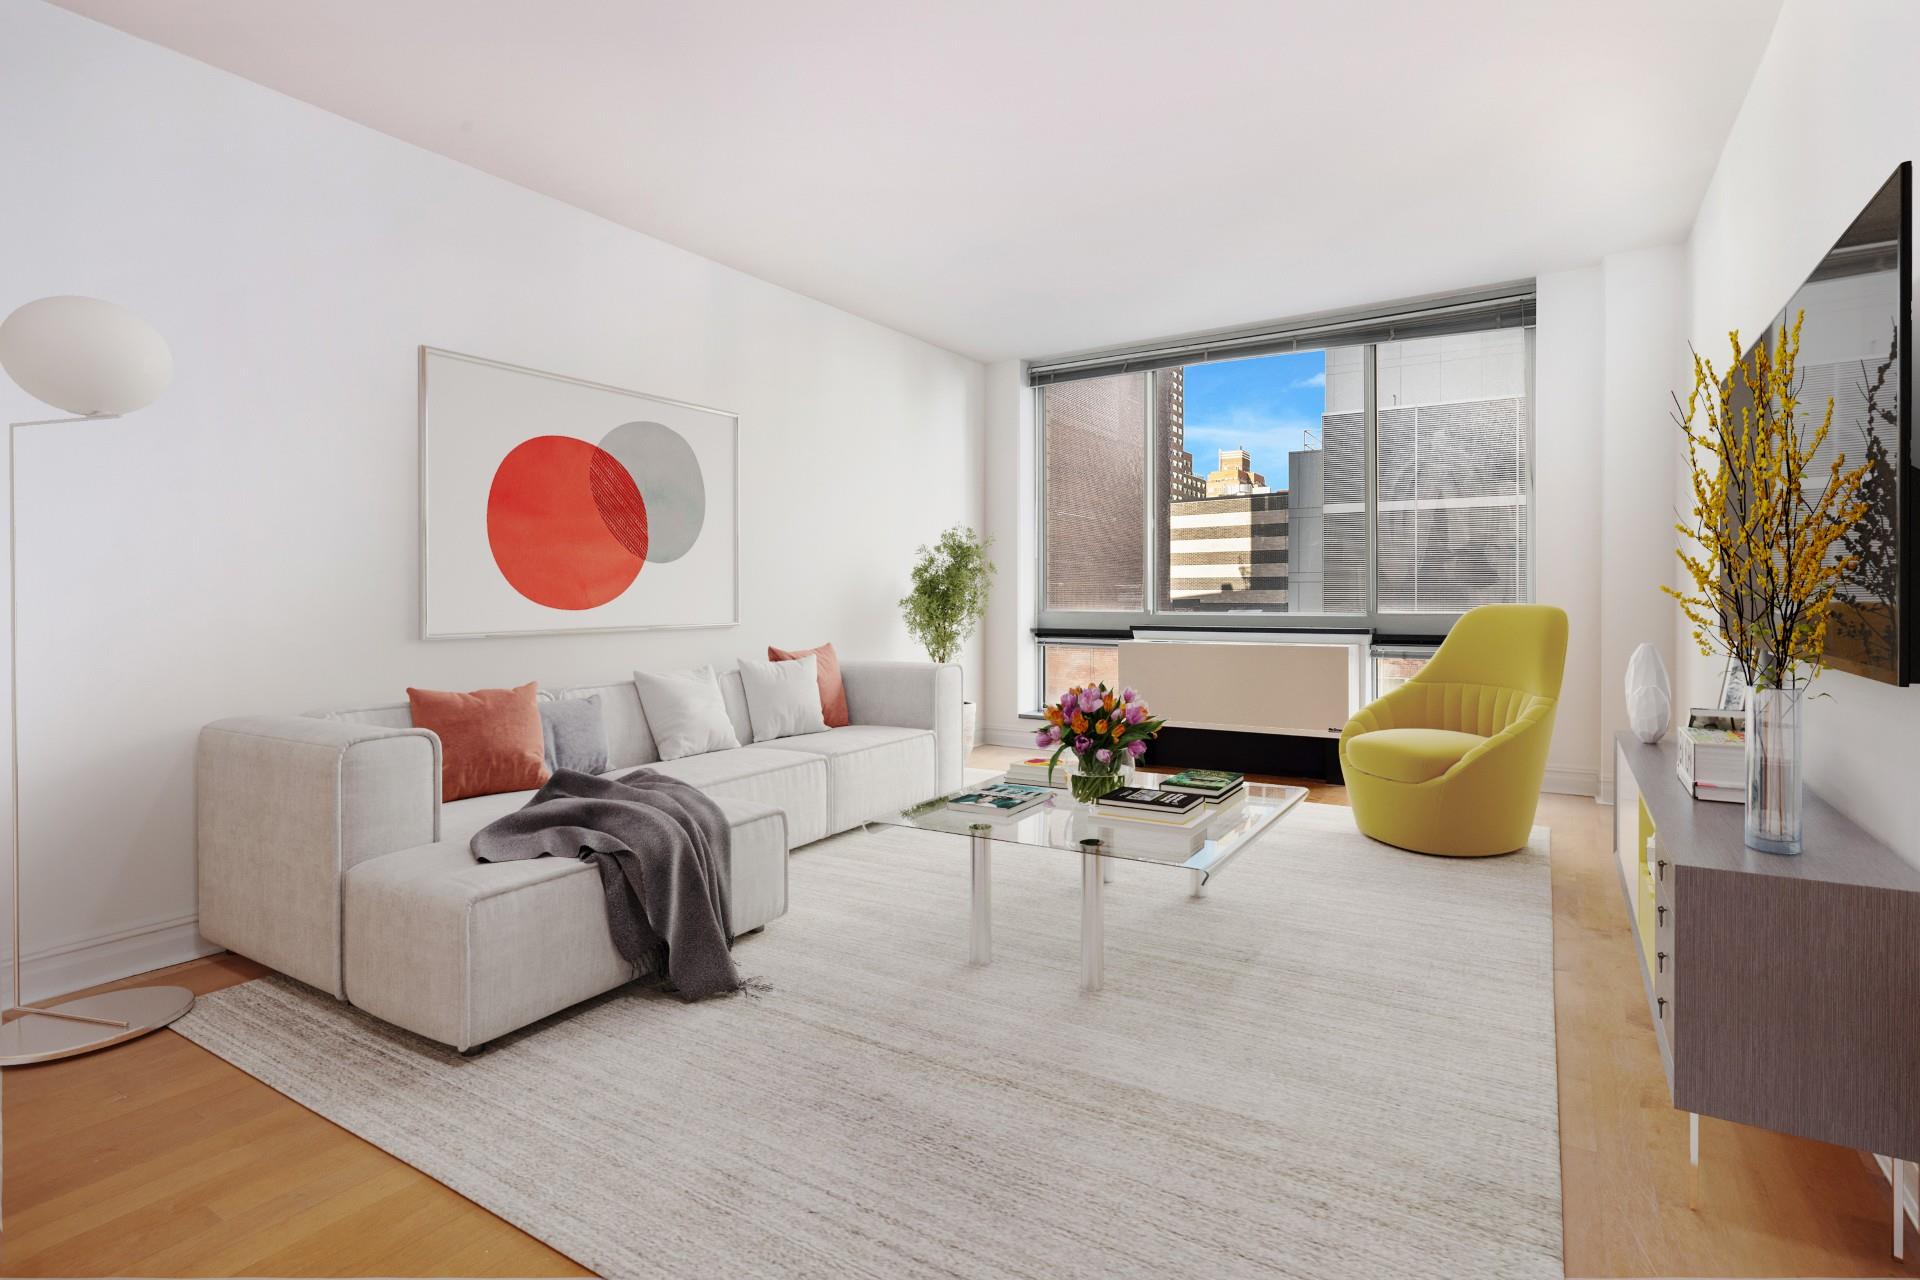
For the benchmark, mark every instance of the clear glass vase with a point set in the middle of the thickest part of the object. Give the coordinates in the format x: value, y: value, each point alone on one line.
x: 1774, y: 770
x: 1093, y: 780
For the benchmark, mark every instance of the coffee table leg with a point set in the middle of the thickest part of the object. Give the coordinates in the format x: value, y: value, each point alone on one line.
x: 1093, y: 942
x: 980, y: 933
x: 1198, y: 883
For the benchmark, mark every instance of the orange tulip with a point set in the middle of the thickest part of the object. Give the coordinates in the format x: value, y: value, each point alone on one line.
x: 1079, y: 723
x: 1101, y: 727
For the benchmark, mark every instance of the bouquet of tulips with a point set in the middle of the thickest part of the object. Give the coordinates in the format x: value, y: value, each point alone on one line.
x: 1105, y: 730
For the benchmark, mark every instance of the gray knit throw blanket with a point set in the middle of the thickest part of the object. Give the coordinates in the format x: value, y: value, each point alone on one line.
x: 664, y: 853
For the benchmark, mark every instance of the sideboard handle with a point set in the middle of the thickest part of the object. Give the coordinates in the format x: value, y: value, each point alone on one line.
x: 1660, y: 961
x: 1660, y: 869
x: 1662, y: 1002
x: 1660, y: 914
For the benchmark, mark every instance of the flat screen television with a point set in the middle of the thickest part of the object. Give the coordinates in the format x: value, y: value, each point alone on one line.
x: 1856, y: 303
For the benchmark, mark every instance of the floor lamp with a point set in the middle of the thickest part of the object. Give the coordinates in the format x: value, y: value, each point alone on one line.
x: 95, y: 361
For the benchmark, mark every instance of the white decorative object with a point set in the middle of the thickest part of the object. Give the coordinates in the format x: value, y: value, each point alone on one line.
x: 85, y: 356
x: 783, y: 698
x: 1649, y: 695
x: 686, y: 712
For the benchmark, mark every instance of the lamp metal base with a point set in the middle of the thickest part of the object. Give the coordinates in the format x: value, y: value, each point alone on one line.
x: 92, y: 1022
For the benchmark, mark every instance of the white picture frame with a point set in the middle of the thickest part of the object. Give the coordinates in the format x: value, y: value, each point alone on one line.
x: 495, y: 561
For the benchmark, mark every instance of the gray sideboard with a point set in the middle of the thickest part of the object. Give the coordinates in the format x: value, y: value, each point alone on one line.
x: 1783, y: 989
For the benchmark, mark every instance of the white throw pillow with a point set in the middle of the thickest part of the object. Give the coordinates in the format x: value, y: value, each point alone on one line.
x: 685, y: 711
x: 783, y: 698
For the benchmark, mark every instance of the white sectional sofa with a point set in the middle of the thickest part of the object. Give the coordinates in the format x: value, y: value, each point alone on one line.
x: 325, y: 853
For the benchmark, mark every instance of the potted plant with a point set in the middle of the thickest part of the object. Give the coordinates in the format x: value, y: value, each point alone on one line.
x: 948, y: 599
x: 1105, y: 730
x: 1772, y: 551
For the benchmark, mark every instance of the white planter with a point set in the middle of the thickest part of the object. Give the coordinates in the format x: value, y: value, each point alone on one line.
x: 969, y: 725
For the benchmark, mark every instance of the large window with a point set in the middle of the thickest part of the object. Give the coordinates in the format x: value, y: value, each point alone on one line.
x: 1382, y: 483
x: 1097, y: 489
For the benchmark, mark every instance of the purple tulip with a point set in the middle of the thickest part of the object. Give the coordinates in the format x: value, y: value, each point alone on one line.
x: 1104, y: 756
x: 1136, y: 712
x: 1128, y: 695
x: 1089, y: 701
x: 1044, y: 738
x: 1081, y: 744
x: 1136, y: 749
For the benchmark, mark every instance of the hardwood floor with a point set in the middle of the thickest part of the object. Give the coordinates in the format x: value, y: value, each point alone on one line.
x: 159, y: 1159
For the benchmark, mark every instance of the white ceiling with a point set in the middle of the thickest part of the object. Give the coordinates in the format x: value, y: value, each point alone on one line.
x: 1029, y: 177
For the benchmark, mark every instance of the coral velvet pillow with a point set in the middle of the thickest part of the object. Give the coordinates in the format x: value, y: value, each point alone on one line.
x: 833, y: 693
x: 490, y: 739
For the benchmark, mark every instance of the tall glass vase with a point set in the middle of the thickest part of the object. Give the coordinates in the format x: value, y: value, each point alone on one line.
x: 1774, y: 783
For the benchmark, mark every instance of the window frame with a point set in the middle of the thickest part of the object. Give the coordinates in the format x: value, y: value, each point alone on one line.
x: 1111, y: 626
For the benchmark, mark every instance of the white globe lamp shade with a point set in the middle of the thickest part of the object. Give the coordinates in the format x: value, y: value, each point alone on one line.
x: 85, y: 356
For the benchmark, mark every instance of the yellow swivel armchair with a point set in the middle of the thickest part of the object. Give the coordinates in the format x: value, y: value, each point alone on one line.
x: 1451, y: 761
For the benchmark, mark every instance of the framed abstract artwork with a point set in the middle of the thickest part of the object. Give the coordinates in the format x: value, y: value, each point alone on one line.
x: 550, y: 504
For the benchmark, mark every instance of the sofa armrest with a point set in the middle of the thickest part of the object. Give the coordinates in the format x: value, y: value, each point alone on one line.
x: 912, y: 695
x: 284, y: 805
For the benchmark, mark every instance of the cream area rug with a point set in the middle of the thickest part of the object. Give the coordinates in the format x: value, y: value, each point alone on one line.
x: 1338, y: 1063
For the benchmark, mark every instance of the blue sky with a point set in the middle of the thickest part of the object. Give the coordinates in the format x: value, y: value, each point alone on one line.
x: 1263, y: 405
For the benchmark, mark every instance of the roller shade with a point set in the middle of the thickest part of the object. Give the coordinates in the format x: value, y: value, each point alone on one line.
x: 1502, y: 307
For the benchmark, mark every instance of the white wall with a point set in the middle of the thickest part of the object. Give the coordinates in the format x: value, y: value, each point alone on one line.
x: 1834, y: 107
x: 1568, y: 367
x: 1645, y: 294
x: 1012, y: 518
x: 249, y: 543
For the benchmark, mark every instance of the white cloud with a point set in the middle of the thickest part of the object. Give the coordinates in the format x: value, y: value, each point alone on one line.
x: 1317, y: 380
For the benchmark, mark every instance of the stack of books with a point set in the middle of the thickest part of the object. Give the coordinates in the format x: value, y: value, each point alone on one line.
x: 1000, y: 799
x: 1159, y: 807
x: 1218, y: 788
x: 1032, y: 771
x: 1712, y: 755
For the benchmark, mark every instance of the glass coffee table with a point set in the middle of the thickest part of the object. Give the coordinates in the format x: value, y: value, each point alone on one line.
x: 1062, y: 826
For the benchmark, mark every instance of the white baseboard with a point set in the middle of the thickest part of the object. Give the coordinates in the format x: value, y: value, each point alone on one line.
x: 1007, y: 737
x: 73, y: 966
x: 1562, y: 781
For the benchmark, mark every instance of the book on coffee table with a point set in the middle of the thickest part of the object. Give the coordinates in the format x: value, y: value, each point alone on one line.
x: 1148, y: 804
x: 1033, y: 772
x: 1216, y: 786
x: 1000, y: 799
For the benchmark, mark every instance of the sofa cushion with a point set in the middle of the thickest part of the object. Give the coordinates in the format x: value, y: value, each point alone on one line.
x: 871, y: 769
x: 490, y: 739
x: 575, y: 733
x: 783, y: 698
x: 686, y: 712
x: 629, y: 741
x: 459, y: 819
x: 833, y: 690
x: 1409, y: 755
x: 792, y: 781
x: 462, y: 952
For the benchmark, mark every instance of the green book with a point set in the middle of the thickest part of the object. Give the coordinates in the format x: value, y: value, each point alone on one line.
x: 1203, y: 782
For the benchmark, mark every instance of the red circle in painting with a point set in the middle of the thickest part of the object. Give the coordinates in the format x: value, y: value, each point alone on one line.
x: 566, y: 523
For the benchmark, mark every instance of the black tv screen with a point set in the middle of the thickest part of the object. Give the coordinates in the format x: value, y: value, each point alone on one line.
x: 1855, y: 305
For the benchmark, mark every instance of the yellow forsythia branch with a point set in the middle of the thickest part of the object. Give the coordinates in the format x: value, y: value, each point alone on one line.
x: 1762, y: 581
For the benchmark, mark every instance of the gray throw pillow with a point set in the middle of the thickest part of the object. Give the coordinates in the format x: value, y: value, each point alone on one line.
x: 576, y: 734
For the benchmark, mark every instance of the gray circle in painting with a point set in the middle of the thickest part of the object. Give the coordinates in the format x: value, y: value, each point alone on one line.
x: 668, y: 476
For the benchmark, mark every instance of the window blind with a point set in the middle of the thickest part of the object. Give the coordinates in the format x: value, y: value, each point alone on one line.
x: 1500, y: 307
